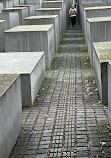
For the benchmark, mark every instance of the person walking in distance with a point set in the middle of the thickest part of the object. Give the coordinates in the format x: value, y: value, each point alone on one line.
x: 72, y: 13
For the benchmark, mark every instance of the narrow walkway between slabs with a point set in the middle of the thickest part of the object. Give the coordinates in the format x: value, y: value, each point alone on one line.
x: 67, y: 119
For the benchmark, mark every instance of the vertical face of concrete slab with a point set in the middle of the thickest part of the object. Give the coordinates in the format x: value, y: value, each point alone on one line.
x: 43, y: 20
x: 109, y: 92
x: 31, y: 38
x: 10, y: 112
x: 2, y: 40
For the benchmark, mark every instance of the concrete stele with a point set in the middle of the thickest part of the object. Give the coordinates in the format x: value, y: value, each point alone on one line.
x: 92, y: 12
x: 43, y: 20
x: 22, y: 12
x: 31, y: 8
x: 101, y: 57
x: 2, y: 40
x: 98, y: 30
x: 31, y: 66
x: 32, y: 38
x: 52, y: 11
x: 10, y: 112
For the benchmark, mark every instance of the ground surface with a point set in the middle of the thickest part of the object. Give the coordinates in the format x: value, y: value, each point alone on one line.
x: 67, y: 119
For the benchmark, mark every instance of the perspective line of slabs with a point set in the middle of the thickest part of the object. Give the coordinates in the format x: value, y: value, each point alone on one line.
x: 32, y: 38
x: 44, y: 20
x: 31, y: 67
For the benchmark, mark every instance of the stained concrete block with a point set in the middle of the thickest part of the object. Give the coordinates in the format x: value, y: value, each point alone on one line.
x: 38, y: 3
x: 7, y: 4
x: 15, y: 2
x: 21, y: 2
x: 10, y: 112
x: 43, y: 20
x: 11, y: 18
x: 1, y: 7
x: 31, y: 38
x: 101, y: 57
x: 98, y: 30
x: 92, y: 12
x: 52, y: 11
x: 57, y: 4
x: 31, y: 66
x: 2, y: 40
x: 31, y: 8
x: 22, y: 12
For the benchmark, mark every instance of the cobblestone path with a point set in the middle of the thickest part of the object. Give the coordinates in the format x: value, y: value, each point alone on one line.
x: 67, y: 119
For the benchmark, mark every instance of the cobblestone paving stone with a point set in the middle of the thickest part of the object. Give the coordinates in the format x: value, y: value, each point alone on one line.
x: 67, y: 118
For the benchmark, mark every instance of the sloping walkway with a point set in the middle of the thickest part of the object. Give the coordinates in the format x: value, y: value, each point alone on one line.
x: 67, y: 119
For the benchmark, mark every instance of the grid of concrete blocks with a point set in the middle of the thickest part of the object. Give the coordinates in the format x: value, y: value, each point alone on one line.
x: 95, y: 20
x: 30, y: 34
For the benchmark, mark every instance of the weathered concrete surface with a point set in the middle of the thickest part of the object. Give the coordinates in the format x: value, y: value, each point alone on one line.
x: 32, y: 38
x: 2, y: 40
x: 92, y: 12
x: 31, y: 8
x: 98, y: 30
x: 43, y: 20
x: 52, y: 11
x: 10, y: 112
x: 11, y: 18
x: 7, y: 4
x: 22, y: 12
x: 31, y: 66
x: 21, y: 2
x: 101, y: 57
x: 57, y: 4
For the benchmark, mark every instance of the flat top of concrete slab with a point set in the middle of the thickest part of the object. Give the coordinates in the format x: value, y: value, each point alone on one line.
x: 42, y: 9
x: 19, y: 62
x: 103, y: 50
x: 42, y: 17
x: 24, y: 5
x: 13, y: 9
x: 30, y: 28
x: 52, y: 2
x: 97, y: 19
x: 97, y: 8
x: 5, y: 81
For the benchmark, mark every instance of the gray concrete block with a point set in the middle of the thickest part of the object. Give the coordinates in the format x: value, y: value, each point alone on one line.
x: 15, y: 2
x: 109, y: 92
x: 1, y: 7
x: 43, y: 20
x: 57, y: 4
x: 31, y: 66
x: 38, y: 3
x: 11, y: 18
x: 31, y: 38
x: 2, y: 40
x: 101, y: 57
x: 7, y: 4
x: 22, y: 12
x: 92, y: 12
x: 31, y: 8
x: 10, y: 112
x: 98, y: 30
x: 21, y: 2
x: 52, y: 11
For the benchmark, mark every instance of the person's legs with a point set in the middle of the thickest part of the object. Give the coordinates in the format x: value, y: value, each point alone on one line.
x: 72, y: 20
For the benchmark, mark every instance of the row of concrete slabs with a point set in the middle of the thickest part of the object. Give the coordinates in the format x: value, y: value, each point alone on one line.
x: 96, y: 26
